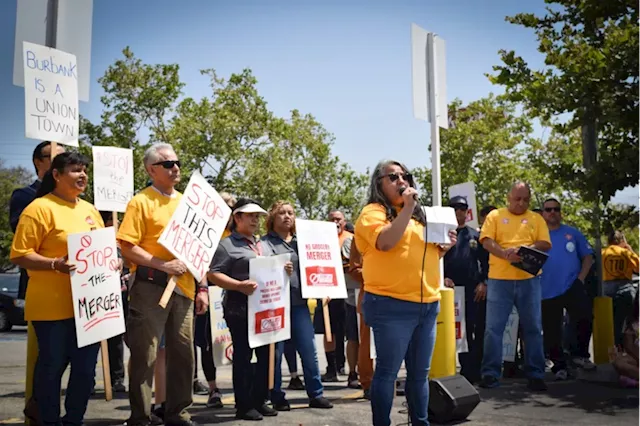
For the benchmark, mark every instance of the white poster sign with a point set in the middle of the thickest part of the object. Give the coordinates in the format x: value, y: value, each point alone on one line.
x: 440, y: 220
x: 50, y: 94
x: 220, y: 335
x: 195, y: 229
x: 461, y: 323
x: 321, y: 273
x: 269, y: 309
x: 510, y: 337
x: 467, y: 190
x: 95, y: 285
x: 112, y: 178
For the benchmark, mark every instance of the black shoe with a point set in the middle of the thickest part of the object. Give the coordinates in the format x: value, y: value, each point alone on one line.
x: 295, y: 384
x: 330, y: 377
x: 367, y: 394
x: 282, y: 405
x: 320, y: 402
x: 267, y: 411
x: 489, y: 382
x: 352, y: 381
x: 537, y: 385
x: 251, y: 415
x: 342, y: 371
x: 400, y: 387
x: 159, y: 412
x: 182, y: 423
x: 215, y: 399
x: 118, y: 387
x: 155, y: 420
x: 199, y: 388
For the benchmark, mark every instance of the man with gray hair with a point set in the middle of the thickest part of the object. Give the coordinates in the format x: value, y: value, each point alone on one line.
x: 504, y: 231
x: 146, y: 217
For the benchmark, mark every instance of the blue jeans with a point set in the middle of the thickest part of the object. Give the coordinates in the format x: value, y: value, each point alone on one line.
x: 402, y: 330
x: 303, y: 338
x: 57, y: 347
x: 502, y: 295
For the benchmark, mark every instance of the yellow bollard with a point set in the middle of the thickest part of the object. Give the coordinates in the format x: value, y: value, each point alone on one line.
x: 443, y: 363
x: 603, y: 336
x: 32, y: 357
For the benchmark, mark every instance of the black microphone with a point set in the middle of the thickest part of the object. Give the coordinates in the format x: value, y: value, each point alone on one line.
x: 404, y: 188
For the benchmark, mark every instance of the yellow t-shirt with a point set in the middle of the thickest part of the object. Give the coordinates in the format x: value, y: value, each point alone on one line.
x: 618, y: 263
x: 43, y: 229
x: 146, y: 217
x: 225, y: 233
x: 397, y: 273
x: 509, y: 231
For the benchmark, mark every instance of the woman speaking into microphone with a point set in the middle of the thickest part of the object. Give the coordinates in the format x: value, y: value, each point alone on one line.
x: 402, y: 289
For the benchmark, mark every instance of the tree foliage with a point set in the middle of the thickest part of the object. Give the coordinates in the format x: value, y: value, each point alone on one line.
x: 11, y: 178
x: 591, y: 73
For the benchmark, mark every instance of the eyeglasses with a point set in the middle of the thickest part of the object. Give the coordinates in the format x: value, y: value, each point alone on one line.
x: 168, y: 164
x: 552, y: 209
x: 407, y: 177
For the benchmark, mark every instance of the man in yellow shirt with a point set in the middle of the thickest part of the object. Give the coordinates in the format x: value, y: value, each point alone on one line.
x: 504, y: 231
x: 619, y: 263
x: 146, y: 217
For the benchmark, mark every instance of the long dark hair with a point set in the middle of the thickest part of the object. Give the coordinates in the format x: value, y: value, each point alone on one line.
x: 241, y: 202
x: 376, y: 195
x: 59, y: 163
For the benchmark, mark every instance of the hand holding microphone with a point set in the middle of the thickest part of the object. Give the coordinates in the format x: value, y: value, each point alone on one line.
x: 409, y: 196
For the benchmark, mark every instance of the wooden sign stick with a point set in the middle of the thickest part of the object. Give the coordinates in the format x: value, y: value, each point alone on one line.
x: 168, y: 291
x: 327, y: 320
x: 272, y: 364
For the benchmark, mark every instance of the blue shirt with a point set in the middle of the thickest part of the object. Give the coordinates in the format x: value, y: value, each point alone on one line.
x: 568, y: 248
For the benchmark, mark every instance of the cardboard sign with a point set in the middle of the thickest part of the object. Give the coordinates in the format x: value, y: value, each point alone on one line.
x: 194, y: 231
x: 467, y: 190
x: 440, y: 220
x: 50, y: 94
x: 220, y: 335
x: 95, y: 286
x: 461, y: 323
x: 112, y: 178
x: 510, y: 337
x: 321, y: 273
x: 269, y: 306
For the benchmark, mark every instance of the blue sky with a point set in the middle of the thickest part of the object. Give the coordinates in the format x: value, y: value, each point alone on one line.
x: 346, y: 62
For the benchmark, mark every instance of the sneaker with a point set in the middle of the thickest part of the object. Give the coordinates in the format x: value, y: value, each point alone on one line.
x: 155, y: 420
x: 537, y: 385
x: 159, y: 412
x: 282, y: 405
x: 199, y: 388
x: 342, y: 371
x: 367, y: 394
x: 330, y: 378
x: 295, y: 384
x: 489, y: 382
x: 562, y: 375
x: 118, y: 387
x: 215, y: 399
x: 548, y: 363
x: 320, y: 402
x: 267, y: 411
x: 251, y: 415
x: 584, y: 363
x: 352, y: 382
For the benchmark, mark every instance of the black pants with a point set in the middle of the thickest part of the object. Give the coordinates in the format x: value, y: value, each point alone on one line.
x: 250, y: 381
x: 471, y: 361
x: 576, y: 302
x: 337, y: 316
x: 208, y: 366
x: 116, y: 347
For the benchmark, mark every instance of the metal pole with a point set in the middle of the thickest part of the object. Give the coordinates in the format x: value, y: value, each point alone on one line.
x: 433, y: 118
x: 52, y: 23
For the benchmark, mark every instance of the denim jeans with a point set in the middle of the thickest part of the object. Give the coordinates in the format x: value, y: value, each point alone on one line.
x: 502, y: 295
x: 303, y: 339
x: 402, y: 331
x: 57, y: 347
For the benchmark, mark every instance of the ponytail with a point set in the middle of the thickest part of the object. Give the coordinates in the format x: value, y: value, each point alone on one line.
x: 59, y: 163
x: 47, y: 186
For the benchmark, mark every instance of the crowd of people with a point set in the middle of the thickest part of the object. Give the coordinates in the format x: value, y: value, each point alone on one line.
x: 393, y: 287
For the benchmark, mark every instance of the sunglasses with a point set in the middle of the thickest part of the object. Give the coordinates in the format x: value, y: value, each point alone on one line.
x: 460, y: 207
x: 552, y: 209
x: 168, y: 164
x: 407, y: 177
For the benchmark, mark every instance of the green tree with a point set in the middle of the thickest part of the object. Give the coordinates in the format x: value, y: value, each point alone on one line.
x: 591, y: 73
x: 11, y: 178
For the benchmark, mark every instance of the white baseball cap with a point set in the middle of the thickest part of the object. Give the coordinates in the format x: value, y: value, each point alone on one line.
x: 250, y: 208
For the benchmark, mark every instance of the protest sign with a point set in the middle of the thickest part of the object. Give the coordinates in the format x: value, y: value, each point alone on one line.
x: 461, y: 323
x: 321, y: 273
x: 195, y: 229
x: 50, y: 94
x: 440, y: 220
x: 468, y: 191
x: 112, y: 178
x: 220, y: 334
x: 269, y: 306
x: 95, y: 285
x: 510, y: 337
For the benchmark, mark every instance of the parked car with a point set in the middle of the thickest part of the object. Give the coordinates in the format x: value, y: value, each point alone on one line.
x: 11, y: 308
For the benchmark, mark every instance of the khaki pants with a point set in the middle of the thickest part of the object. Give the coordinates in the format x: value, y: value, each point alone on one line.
x: 146, y: 323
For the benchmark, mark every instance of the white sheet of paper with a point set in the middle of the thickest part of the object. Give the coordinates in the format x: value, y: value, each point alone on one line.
x: 440, y: 220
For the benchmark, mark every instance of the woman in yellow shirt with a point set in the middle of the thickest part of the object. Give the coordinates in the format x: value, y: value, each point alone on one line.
x: 402, y: 289
x: 40, y: 247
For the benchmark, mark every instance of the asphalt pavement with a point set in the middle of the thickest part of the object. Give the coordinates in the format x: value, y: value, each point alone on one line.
x: 574, y: 402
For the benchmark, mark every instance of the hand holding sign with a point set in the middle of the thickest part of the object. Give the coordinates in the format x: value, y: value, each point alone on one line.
x: 61, y: 264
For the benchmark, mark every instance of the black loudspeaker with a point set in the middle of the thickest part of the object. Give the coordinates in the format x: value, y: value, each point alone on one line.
x: 451, y: 399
